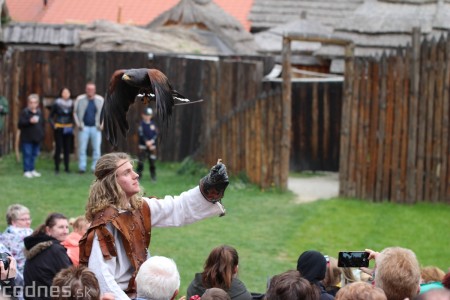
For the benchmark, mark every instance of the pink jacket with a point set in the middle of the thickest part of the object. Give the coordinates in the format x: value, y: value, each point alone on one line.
x: 71, y: 244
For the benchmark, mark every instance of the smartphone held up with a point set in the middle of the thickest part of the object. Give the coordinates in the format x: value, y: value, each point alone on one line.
x: 353, y: 259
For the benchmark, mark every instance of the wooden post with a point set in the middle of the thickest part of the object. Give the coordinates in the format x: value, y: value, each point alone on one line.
x: 412, y: 127
x: 286, y: 114
x: 15, y: 108
x: 346, y: 121
x: 445, y: 179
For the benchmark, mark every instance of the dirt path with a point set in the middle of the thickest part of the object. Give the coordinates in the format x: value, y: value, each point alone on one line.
x: 323, y: 186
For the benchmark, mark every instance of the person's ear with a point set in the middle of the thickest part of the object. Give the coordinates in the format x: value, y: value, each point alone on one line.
x: 174, y: 295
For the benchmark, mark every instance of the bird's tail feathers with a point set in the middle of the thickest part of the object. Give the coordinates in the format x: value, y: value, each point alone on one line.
x: 179, y: 97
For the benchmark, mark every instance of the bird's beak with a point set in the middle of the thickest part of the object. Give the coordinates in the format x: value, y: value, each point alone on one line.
x: 125, y: 77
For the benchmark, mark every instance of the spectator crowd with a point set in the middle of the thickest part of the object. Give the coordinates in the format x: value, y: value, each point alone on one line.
x: 47, y: 260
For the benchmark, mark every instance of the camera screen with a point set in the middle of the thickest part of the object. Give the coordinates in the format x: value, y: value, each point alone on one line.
x: 353, y: 259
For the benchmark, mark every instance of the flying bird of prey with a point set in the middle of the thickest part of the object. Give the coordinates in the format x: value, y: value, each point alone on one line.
x: 126, y: 86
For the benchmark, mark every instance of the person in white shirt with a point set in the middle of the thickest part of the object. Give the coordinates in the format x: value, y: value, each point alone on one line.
x: 116, y: 244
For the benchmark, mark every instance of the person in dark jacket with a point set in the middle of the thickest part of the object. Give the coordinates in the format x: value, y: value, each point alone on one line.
x: 61, y: 120
x: 147, y: 143
x: 45, y: 256
x: 220, y: 271
x: 312, y: 265
x: 31, y: 125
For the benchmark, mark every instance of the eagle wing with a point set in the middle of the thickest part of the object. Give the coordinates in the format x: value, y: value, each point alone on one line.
x: 163, y: 94
x: 119, y: 97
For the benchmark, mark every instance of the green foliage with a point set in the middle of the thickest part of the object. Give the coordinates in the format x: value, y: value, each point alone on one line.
x: 190, y: 167
x: 268, y: 228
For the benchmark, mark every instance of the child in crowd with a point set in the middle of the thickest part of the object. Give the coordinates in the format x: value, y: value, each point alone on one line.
x: 147, y: 143
x: 80, y: 226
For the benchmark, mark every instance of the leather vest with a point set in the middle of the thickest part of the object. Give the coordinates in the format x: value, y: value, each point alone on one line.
x: 135, y: 229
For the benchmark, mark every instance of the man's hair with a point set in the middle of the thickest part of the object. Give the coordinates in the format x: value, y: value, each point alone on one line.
x: 291, y: 286
x: 158, y: 279
x: 215, y: 294
x: 397, y: 273
x: 360, y: 291
x: 220, y: 266
x: 75, y: 282
x: 105, y: 191
x: 14, y: 211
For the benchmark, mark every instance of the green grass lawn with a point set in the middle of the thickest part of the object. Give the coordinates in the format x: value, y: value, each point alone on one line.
x: 266, y: 227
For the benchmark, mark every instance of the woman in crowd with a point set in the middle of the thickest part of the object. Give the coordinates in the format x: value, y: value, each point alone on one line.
x: 220, y: 271
x: 61, y: 119
x: 45, y: 256
x: 31, y: 125
x: 19, y: 221
x: 333, y: 274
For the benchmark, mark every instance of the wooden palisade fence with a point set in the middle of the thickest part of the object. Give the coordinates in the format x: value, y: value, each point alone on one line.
x: 396, y: 147
x: 238, y: 121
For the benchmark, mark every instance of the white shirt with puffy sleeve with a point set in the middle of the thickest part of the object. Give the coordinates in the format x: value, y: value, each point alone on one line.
x: 114, y: 274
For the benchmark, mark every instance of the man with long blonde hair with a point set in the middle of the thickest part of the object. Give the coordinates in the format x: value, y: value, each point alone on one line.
x: 116, y: 244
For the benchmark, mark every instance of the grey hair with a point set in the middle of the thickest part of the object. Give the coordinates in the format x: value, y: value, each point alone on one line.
x: 158, y: 279
x: 14, y: 211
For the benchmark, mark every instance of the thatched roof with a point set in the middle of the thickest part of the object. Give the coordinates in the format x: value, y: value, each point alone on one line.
x: 109, y: 36
x: 205, y: 18
x: 270, y: 13
x: 270, y: 41
x: 41, y: 34
x: 106, y: 36
x: 385, y: 25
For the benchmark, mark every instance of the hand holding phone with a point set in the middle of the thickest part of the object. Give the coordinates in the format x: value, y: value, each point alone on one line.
x: 353, y: 259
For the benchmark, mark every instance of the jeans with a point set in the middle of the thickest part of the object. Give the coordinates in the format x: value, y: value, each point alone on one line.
x: 30, y: 151
x: 89, y: 133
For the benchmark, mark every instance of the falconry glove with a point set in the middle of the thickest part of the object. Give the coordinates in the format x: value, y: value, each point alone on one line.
x: 213, y: 185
